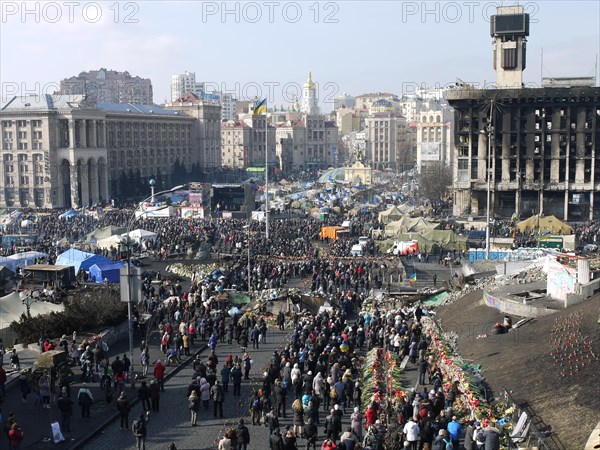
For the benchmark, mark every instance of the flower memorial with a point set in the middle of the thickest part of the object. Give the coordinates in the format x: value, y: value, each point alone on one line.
x: 382, y: 378
x: 456, y: 372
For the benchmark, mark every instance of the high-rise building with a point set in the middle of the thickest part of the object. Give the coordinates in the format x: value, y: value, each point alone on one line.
x: 183, y: 83
x: 343, y: 101
x: 539, y: 148
x: 109, y: 86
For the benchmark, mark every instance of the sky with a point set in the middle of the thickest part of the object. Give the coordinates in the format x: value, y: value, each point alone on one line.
x: 265, y: 48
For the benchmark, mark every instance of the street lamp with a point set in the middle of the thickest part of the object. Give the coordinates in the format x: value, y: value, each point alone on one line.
x: 130, y: 223
x: 489, y: 130
x: 152, y: 183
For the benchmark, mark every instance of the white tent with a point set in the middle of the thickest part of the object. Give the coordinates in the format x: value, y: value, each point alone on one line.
x: 21, y: 259
x: 111, y: 241
x: 140, y: 235
x: 11, y: 308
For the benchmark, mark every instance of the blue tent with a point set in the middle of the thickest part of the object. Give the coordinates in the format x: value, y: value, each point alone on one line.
x: 69, y: 214
x: 79, y: 259
x: 110, y: 271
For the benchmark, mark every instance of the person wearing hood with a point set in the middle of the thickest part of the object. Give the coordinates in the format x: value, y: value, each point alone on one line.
x: 356, y: 422
x: 318, y: 384
x: 204, y: 392
x: 349, y: 439
x: 469, y: 442
x: 491, y: 438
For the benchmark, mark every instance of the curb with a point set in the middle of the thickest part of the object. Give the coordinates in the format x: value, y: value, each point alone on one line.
x: 81, y: 443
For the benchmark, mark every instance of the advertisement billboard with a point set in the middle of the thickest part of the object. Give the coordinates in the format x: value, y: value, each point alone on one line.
x: 430, y: 151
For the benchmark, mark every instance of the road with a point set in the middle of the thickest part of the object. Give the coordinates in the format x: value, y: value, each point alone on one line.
x: 172, y: 422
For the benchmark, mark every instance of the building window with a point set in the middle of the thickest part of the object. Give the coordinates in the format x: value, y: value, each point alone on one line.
x: 9, y: 181
x: 39, y: 181
x: 7, y: 146
x: 21, y: 123
x: 37, y: 135
x: 23, y: 168
x: 7, y: 123
x: 36, y: 146
x: 36, y: 123
x: 24, y: 180
x: 22, y: 145
x: 22, y: 157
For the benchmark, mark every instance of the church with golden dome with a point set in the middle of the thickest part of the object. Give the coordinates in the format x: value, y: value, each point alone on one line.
x: 310, y: 101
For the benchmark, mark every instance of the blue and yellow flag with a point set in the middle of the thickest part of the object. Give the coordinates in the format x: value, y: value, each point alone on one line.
x: 260, y: 107
x: 413, y: 277
x: 544, y: 236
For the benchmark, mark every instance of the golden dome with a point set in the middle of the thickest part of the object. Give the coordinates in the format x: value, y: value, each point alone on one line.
x: 309, y: 82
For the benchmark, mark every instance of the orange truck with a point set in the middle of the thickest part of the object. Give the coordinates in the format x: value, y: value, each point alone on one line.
x: 333, y: 232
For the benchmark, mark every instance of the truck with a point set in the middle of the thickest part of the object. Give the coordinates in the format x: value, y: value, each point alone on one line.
x: 404, y: 248
x: 334, y: 233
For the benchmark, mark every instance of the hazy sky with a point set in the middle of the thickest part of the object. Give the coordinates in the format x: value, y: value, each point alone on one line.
x: 266, y: 48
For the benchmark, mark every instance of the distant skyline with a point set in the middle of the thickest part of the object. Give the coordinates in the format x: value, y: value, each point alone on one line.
x: 267, y: 48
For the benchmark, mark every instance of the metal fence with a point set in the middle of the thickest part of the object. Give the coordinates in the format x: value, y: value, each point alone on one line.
x: 538, y: 434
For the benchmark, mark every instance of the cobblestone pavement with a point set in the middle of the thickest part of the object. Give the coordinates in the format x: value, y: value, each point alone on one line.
x: 172, y: 422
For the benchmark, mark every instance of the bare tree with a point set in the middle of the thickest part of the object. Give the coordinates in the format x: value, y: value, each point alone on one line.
x: 436, y: 180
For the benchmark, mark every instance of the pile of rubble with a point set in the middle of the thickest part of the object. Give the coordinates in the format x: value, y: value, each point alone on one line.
x: 492, y: 283
x: 531, y: 275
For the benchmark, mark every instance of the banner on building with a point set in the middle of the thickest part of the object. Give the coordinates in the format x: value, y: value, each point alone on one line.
x: 430, y: 151
x: 196, y: 199
x: 192, y: 212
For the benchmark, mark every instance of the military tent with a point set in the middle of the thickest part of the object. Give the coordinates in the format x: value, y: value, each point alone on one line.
x: 390, y: 215
x: 102, y: 233
x: 544, y: 224
x: 447, y: 239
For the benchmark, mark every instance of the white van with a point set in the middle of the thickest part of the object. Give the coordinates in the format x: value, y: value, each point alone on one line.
x: 357, y: 250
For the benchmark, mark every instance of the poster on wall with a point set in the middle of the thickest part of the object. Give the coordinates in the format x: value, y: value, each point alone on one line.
x: 192, y: 212
x: 195, y: 199
x: 430, y: 151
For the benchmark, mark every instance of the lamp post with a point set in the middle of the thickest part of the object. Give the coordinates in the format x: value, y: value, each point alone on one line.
x: 132, y: 220
x: 489, y: 132
x: 152, y: 183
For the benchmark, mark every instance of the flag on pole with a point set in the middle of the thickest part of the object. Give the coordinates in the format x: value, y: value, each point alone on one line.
x: 544, y: 236
x: 413, y: 277
x: 260, y: 107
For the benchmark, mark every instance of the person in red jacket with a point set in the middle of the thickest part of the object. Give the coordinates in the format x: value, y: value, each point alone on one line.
x: 159, y: 374
x: 370, y: 416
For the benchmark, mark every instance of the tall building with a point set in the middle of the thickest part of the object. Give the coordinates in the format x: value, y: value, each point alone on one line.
x: 539, y: 147
x: 310, y: 102
x: 509, y: 28
x: 183, y: 83
x: 435, y: 133
x: 236, y: 144
x: 387, y: 137
x: 228, y: 105
x: 65, y: 151
x: 109, y: 86
x: 206, y: 127
x: 343, y: 101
